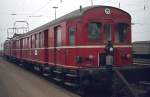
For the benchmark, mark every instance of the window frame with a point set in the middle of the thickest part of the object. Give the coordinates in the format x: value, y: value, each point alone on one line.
x: 72, y: 34
x: 59, y: 36
x: 99, y: 32
x: 117, y: 40
x: 110, y: 32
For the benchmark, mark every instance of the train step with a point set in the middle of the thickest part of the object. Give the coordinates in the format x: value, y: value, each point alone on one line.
x: 57, y: 79
x: 20, y: 64
x: 56, y: 71
x: 36, y: 68
x: 71, y: 75
x: 70, y: 84
x: 46, y: 74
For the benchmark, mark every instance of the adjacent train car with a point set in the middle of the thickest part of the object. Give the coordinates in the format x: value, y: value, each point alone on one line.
x: 6, y: 49
x: 78, y: 49
x: 141, y: 52
x: 1, y: 53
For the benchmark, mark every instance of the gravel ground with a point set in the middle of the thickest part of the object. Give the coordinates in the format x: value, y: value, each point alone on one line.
x: 17, y: 82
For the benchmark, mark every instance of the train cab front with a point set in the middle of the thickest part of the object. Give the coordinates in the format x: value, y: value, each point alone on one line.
x: 109, y: 43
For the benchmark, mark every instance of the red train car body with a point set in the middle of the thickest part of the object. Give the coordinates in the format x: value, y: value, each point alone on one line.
x: 61, y: 41
x: 75, y: 42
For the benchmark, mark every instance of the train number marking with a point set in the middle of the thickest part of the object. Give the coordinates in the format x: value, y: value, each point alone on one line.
x: 107, y: 11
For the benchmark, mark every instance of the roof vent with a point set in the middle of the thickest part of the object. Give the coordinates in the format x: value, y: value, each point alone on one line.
x: 80, y: 8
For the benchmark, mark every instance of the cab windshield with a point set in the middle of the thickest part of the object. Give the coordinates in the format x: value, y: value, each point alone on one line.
x: 94, y: 31
x: 121, y: 32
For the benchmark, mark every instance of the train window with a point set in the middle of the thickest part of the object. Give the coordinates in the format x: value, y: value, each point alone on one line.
x: 33, y: 41
x: 40, y: 39
x: 72, y: 31
x: 107, y: 32
x: 37, y: 40
x: 17, y: 44
x: 27, y: 42
x: 94, y: 31
x: 120, y: 33
x: 23, y: 42
x: 58, y: 37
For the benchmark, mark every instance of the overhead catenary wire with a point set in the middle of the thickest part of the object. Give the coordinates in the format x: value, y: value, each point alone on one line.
x: 41, y: 7
x: 130, y: 5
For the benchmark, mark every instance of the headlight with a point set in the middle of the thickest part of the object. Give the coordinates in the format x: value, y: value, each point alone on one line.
x: 128, y: 56
x: 91, y: 56
x: 111, y: 49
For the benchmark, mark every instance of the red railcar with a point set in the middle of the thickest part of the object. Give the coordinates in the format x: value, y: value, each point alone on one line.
x: 61, y: 41
x: 77, y: 46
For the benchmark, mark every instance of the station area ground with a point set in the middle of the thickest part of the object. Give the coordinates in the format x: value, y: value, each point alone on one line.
x: 17, y: 82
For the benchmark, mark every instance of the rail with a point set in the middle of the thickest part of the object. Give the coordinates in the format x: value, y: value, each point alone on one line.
x: 125, y: 82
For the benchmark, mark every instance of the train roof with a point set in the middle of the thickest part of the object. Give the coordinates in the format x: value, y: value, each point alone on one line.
x: 71, y: 15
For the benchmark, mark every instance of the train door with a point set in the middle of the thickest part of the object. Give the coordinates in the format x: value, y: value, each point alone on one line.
x: 46, y: 45
x: 59, y: 53
x: 20, y: 48
x: 55, y: 41
x: 108, y: 29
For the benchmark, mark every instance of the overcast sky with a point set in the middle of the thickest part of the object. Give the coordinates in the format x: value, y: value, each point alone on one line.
x: 39, y: 12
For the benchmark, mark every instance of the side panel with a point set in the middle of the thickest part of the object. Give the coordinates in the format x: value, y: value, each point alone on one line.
x: 57, y: 39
